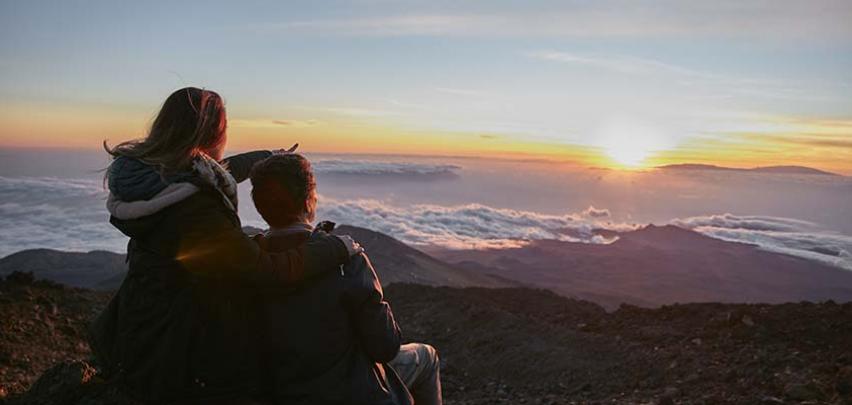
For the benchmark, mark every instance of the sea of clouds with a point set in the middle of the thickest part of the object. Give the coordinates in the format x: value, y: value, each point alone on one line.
x: 783, y: 235
x: 470, y: 226
x: 69, y: 214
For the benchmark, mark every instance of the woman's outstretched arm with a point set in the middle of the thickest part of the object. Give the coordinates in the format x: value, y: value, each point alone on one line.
x: 240, y: 165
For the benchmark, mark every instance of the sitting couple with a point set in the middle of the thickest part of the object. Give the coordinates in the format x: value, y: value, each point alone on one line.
x: 208, y: 315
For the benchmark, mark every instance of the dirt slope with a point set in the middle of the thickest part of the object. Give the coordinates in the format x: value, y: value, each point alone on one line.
x: 517, y: 346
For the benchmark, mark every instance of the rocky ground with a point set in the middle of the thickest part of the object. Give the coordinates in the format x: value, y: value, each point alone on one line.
x: 515, y: 346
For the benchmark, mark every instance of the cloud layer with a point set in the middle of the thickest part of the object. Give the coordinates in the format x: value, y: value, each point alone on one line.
x: 471, y: 226
x: 782, y: 235
x: 55, y: 213
x: 372, y: 168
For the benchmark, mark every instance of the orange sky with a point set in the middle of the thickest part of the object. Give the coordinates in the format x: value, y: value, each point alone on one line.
x: 822, y: 144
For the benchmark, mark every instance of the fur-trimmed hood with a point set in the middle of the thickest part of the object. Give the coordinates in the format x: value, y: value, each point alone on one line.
x: 138, y: 190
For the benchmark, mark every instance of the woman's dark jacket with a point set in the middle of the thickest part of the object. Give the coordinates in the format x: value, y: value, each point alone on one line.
x: 179, y: 326
x: 326, y: 341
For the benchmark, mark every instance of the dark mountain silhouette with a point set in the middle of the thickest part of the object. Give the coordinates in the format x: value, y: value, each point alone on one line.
x: 661, y: 265
x: 763, y: 169
x: 514, y: 345
x: 96, y: 269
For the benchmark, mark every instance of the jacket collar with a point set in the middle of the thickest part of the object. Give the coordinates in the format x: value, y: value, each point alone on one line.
x: 294, y: 228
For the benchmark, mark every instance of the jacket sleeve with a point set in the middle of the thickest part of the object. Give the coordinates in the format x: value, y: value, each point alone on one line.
x: 217, y: 247
x: 240, y: 165
x: 378, y: 334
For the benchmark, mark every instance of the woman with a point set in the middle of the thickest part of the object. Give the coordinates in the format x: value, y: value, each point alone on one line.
x: 178, y: 328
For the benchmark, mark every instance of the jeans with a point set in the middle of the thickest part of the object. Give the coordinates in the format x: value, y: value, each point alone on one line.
x: 418, y: 366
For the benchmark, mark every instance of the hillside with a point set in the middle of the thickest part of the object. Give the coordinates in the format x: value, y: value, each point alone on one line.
x: 396, y: 262
x: 511, y: 346
x: 660, y: 265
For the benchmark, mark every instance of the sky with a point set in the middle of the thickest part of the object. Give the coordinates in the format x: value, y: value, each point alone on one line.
x: 616, y: 84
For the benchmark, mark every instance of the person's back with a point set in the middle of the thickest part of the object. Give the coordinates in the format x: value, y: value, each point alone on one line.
x: 174, y: 331
x: 326, y: 340
x: 334, y: 339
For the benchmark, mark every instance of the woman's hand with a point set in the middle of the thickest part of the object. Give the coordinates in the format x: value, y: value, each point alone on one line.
x: 283, y: 151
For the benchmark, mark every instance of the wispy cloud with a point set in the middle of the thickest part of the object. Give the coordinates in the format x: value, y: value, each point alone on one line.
x: 461, y: 92
x: 296, y: 123
x: 273, y: 123
x: 719, y: 85
x: 837, y: 143
x: 360, y: 112
x: 783, y: 19
x: 622, y: 64
x: 397, y: 25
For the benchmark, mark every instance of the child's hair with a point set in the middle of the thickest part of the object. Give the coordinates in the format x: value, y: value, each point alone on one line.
x: 284, y: 189
x: 191, y: 120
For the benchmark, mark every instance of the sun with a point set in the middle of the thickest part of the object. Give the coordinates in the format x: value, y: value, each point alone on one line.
x: 630, y: 144
x: 629, y: 154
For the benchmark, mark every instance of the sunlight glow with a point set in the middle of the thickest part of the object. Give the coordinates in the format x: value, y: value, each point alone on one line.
x: 630, y: 144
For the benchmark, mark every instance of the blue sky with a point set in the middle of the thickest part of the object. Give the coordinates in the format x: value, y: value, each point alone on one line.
x: 689, y: 75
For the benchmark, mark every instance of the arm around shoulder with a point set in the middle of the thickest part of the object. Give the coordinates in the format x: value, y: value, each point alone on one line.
x: 219, y: 248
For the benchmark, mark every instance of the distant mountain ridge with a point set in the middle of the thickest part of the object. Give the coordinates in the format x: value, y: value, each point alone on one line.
x: 762, y: 169
x: 659, y: 265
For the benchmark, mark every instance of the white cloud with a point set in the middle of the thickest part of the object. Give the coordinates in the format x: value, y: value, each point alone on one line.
x: 596, y: 212
x: 465, y: 226
x: 55, y: 213
x: 783, y: 235
x: 374, y: 168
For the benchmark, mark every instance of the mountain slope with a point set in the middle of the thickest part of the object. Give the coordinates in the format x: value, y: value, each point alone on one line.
x: 661, y: 265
